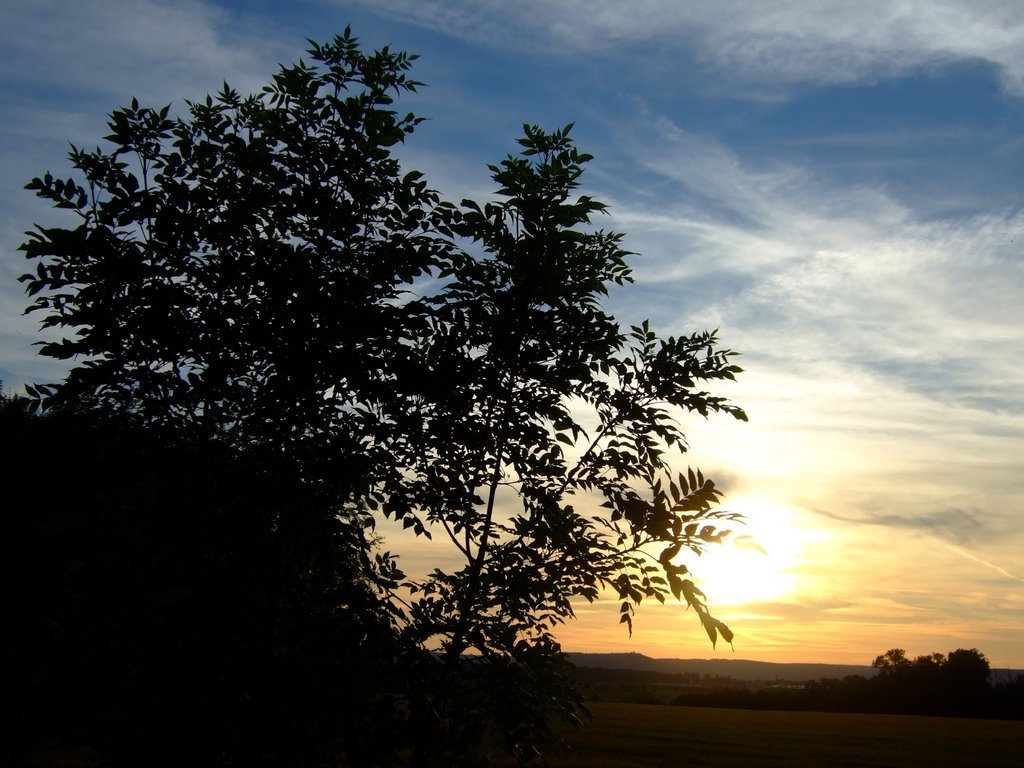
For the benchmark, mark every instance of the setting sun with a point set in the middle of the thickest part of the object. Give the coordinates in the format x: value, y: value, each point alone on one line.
x: 760, y: 565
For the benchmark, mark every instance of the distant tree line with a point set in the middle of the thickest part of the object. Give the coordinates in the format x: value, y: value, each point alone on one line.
x: 958, y: 685
x: 627, y: 676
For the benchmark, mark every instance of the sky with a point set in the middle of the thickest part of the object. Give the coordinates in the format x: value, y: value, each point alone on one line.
x: 834, y: 186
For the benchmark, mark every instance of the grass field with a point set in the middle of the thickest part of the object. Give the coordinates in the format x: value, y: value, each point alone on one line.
x: 645, y: 735
x: 657, y: 736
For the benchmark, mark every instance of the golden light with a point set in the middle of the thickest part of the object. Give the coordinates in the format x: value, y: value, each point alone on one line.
x: 765, y: 570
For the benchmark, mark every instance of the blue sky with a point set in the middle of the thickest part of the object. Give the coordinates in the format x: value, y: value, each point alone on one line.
x: 835, y: 186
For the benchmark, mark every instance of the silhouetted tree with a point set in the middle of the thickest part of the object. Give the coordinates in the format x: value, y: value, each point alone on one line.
x: 934, y: 683
x: 1008, y: 698
x: 891, y: 663
x: 966, y: 681
x: 308, y: 339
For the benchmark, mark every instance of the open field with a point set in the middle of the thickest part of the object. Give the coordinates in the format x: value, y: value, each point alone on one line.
x: 662, y: 736
x: 645, y: 735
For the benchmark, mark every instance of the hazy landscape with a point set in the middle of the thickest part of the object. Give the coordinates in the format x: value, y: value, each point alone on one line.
x: 738, y: 669
x: 961, y: 684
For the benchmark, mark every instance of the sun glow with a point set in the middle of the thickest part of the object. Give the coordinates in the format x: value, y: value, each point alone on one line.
x: 762, y: 571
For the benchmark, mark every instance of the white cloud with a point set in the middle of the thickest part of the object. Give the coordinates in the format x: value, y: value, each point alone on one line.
x: 845, y: 266
x: 881, y: 347
x: 64, y: 65
x: 156, y: 50
x: 785, y: 41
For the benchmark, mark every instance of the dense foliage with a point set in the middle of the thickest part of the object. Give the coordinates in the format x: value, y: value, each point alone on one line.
x: 170, y: 601
x: 280, y: 338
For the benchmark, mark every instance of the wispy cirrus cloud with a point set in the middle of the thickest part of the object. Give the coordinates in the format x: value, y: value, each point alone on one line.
x: 846, y: 266
x: 880, y: 345
x: 953, y: 524
x: 119, y: 48
x: 63, y: 67
x: 768, y: 44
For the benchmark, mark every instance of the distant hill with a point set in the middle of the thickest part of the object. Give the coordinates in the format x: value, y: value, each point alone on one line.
x: 737, y: 669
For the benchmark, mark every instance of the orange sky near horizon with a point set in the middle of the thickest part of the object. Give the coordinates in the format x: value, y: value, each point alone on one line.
x: 831, y: 587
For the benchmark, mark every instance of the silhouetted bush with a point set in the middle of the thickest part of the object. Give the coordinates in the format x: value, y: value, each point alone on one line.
x: 169, y: 600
